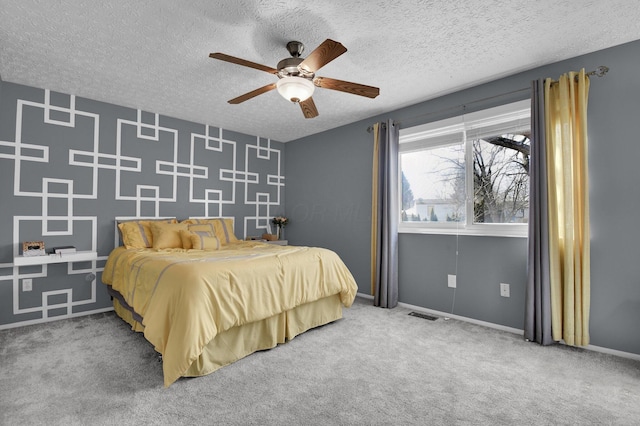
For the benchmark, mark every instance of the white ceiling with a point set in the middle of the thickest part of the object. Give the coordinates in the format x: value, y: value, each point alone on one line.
x: 153, y: 55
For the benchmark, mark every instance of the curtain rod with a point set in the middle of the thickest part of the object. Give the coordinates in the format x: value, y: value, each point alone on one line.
x: 598, y: 72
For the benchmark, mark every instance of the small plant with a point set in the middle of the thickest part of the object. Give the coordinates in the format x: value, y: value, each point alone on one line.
x: 280, y: 221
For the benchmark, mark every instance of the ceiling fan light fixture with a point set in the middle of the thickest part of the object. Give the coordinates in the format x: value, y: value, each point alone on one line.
x: 295, y: 89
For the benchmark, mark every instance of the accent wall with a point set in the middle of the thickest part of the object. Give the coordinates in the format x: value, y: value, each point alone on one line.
x: 70, y: 166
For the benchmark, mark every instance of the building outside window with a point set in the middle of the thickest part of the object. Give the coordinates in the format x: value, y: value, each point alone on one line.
x: 468, y: 174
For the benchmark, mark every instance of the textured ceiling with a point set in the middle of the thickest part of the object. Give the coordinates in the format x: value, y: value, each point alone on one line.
x: 153, y: 54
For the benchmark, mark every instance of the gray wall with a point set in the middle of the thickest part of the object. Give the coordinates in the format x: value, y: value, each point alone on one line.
x: 331, y: 172
x: 83, y: 161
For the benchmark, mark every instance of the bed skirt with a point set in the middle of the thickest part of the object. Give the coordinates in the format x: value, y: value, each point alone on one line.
x: 238, y: 342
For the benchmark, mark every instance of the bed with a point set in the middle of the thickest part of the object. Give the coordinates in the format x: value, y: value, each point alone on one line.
x: 209, y: 303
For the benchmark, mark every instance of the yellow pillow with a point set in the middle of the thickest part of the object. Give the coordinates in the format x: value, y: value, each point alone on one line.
x: 204, y: 242
x: 185, y: 235
x: 137, y: 233
x: 205, y: 227
x: 222, y: 228
x: 167, y: 235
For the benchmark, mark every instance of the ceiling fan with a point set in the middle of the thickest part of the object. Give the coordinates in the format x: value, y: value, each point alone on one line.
x: 296, y: 76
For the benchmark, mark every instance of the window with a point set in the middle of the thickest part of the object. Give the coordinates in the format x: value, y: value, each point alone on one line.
x: 467, y: 174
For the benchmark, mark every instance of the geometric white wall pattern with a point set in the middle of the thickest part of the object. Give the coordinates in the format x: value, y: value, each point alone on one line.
x: 69, y: 166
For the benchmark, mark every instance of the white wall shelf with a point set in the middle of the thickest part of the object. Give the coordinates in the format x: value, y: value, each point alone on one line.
x: 79, y: 256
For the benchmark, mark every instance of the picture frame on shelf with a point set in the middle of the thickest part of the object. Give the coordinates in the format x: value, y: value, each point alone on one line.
x: 33, y: 248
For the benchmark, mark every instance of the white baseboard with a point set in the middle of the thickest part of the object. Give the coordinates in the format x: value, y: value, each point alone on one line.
x: 52, y: 319
x: 615, y: 352
x: 600, y: 349
x: 461, y: 318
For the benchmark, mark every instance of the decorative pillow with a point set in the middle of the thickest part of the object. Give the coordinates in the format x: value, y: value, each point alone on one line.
x: 204, y: 242
x: 186, y: 237
x: 167, y: 235
x: 205, y: 227
x: 137, y: 233
x: 222, y: 227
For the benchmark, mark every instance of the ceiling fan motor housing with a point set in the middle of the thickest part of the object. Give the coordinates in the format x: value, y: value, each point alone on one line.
x: 295, y: 84
x: 288, y: 67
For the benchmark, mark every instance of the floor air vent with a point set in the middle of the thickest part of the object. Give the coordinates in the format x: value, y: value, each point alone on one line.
x: 423, y: 316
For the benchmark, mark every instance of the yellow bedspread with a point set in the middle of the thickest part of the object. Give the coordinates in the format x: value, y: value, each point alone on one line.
x: 186, y: 297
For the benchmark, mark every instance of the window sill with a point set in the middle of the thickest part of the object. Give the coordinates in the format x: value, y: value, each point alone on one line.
x: 478, y: 231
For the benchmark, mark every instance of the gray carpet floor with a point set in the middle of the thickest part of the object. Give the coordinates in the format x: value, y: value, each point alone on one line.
x: 373, y: 367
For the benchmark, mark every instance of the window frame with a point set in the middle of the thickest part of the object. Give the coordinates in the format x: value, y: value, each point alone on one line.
x: 443, y: 133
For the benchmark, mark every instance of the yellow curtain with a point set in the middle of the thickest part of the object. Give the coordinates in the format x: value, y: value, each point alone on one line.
x: 569, y: 239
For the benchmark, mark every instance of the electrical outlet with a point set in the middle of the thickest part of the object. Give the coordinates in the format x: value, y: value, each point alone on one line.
x: 504, y: 290
x: 451, y: 281
x: 27, y: 284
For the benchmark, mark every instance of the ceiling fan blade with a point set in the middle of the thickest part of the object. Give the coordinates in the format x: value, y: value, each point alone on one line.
x: 346, y: 86
x: 243, y: 62
x: 253, y: 94
x: 308, y: 108
x: 322, y: 55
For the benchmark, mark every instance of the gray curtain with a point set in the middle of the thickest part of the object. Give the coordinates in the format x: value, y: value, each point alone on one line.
x: 386, y: 279
x: 537, y: 326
